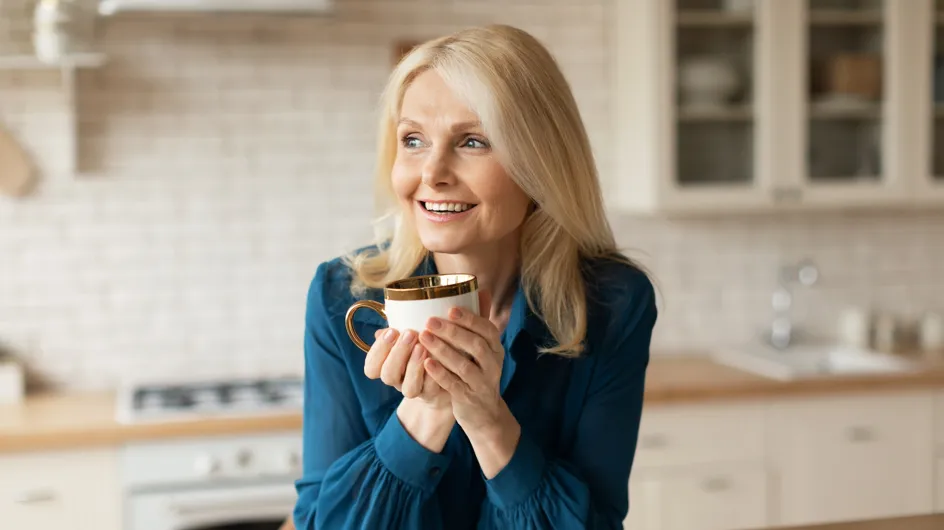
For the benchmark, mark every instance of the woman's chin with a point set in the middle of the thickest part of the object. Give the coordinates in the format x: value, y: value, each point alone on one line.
x: 443, y: 244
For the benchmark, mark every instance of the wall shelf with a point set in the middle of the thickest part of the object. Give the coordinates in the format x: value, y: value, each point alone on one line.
x: 68, y: 66
x: 31, y: 62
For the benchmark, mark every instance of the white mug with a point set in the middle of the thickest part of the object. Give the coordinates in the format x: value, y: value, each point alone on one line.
x: 410, y: 302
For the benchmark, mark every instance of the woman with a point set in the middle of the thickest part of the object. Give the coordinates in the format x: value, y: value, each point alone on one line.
x: 486, y: 168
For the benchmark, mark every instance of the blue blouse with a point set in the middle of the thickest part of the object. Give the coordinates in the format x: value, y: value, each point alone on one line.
x: 579, y: 421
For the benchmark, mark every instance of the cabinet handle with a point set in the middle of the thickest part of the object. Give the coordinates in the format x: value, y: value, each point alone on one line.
x: 859, y: 434
x: 35, y: 497
x: 654, y: 441
x: 787, y: 194
x: 716, y: 484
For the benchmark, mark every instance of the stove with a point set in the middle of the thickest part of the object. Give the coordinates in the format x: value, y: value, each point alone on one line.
x: 196, y: 400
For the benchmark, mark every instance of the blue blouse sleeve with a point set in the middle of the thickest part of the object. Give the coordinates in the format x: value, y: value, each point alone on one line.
x: 588, y: 487
x: 351, y: 479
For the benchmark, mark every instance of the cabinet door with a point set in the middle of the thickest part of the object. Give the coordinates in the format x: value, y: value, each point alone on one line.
x: 644, y: 503
x: 693, y: 133
x: 61, y: 490
x: 852, y: 458
x: 858, y: 132
x: 939, y: 487
x: 927, y: 31
x: 715, y: 497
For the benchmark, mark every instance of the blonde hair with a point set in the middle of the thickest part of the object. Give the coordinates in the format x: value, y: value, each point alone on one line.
x: 529, y: 113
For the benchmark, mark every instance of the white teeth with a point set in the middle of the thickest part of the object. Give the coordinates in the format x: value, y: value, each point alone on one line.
x: 446, y: 206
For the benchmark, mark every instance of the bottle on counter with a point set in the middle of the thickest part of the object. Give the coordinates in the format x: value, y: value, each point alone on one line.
x: 931, y: 334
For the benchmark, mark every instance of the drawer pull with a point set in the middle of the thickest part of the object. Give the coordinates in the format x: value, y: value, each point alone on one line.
x: 35, y: 497
x: 716, y: 484
x: 860, y: 434
x: 654, y: 441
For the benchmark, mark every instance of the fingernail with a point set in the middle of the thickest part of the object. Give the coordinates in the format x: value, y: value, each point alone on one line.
x: 409, y: 335
x: 455, y: 313
x: 417, y: 352
x: 390, y: 335
x: 428, y: 337
x: 433, y: 323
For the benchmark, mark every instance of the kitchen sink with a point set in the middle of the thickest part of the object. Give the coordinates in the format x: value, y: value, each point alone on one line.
x: 812, y: 360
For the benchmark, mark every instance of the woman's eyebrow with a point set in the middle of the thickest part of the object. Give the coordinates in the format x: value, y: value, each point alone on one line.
x: 455, y: 127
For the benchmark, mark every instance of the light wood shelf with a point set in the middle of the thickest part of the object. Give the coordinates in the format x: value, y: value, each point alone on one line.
x: 845, y: 17
x: 30, y: 62
x: 711, y: 18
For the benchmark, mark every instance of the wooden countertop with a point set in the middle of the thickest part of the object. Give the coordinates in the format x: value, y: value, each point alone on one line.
x: 73, y: 420
x: 70, y: 421
x: 686, y: 378
x: 922, y: 522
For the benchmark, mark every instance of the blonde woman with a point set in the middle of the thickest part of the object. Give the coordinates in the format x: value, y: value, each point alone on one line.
x: 486, y: 167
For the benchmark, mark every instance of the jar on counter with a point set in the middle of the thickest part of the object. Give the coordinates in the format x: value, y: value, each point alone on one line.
x: 885, y: 333
x: 931, y: 334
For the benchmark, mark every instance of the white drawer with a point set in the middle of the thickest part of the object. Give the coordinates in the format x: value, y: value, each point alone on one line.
x: 57, y: 489
x: 695, y: 434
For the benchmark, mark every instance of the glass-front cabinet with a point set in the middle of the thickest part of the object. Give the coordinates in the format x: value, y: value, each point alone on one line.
x: 714, y: 111
x: 845, y: 112
x: 729, y: 105
x: 934, y: 184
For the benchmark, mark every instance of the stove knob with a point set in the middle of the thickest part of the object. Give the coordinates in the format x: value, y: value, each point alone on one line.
x: 206, y: 465
x: 244, y: 458
x: 291, y: 462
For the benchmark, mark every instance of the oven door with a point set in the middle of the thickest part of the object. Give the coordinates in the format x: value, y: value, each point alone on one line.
x: 222, y: 508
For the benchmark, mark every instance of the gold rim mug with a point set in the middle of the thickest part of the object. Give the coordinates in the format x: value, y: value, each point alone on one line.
x: 418, y: 288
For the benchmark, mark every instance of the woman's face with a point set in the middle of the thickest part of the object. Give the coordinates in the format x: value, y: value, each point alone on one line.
x: 446, y: 176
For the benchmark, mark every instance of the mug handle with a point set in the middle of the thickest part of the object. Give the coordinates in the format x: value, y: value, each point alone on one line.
x: 349, y: 320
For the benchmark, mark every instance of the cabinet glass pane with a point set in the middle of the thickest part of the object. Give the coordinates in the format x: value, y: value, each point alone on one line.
x: 937, y: 148
x: 846, y: 63
x: 715, y: 77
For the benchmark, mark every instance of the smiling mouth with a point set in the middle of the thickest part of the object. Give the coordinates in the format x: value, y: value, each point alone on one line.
x: 446, y: 208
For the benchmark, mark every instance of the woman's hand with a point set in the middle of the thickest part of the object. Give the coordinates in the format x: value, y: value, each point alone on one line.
x: 471, y: 378
x: 397, y: 360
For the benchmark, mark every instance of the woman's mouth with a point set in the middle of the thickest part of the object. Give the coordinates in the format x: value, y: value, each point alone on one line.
x: 445, y: 211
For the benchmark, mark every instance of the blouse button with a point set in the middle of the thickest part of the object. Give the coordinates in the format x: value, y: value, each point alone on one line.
x: 434, y: 471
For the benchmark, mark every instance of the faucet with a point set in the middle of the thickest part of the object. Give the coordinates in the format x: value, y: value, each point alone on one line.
x: 782, y: 329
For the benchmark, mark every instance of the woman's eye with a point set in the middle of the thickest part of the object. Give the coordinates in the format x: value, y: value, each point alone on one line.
x: 475, y: 143
x: 412, y: 142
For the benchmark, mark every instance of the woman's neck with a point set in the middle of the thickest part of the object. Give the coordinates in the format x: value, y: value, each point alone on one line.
x: 496, y: 268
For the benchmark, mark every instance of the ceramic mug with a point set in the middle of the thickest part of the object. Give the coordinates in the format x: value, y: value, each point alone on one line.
x: 410, y: 302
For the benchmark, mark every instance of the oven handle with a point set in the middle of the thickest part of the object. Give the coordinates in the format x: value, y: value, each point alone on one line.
x: 234, y: 505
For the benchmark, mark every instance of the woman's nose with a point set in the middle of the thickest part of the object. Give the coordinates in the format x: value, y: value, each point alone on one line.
x: 437, y: 169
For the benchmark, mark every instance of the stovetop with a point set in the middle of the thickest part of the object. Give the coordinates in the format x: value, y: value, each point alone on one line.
x: 150, y: 402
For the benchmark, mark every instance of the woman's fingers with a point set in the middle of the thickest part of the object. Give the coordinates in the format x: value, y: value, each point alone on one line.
x: 413, y: 380
x: 394, y: 366
x: 379, y: 351
x: 467, y: 371
x: 466, y: 341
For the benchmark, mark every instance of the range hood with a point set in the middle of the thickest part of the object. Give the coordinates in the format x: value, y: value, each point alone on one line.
x: 308, y: 7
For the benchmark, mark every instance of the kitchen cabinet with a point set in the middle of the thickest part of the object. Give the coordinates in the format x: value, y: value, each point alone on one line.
x: 746, y: 106
x: 929, y: 103
x: 699, y: 468
x: 862, y: 457
x: 939, y: 486
x: 788, y: 461
x: 710, y: 497
x: 59, y: 489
